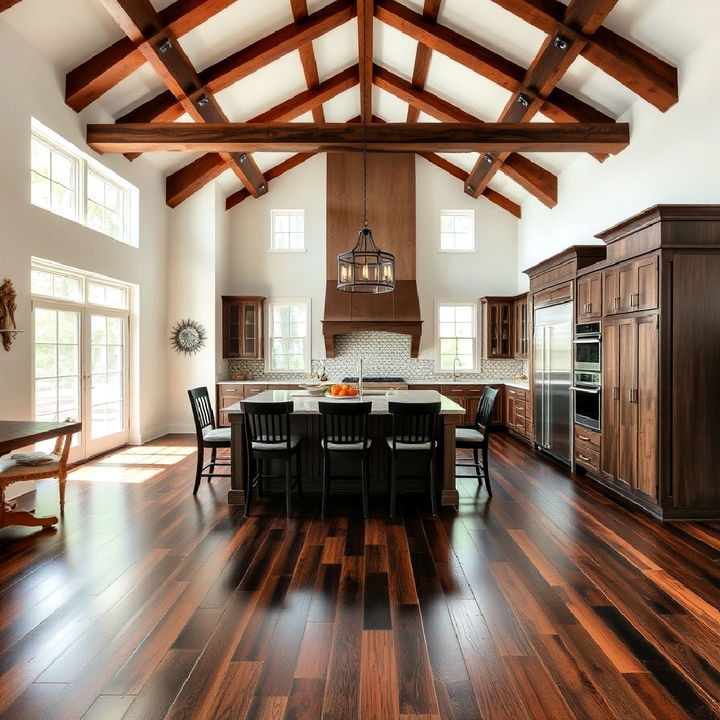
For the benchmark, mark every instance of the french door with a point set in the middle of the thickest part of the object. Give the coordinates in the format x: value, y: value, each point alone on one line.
x: 81, y: 371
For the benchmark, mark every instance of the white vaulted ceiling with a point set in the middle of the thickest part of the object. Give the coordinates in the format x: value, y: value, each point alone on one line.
x: 72, y: 31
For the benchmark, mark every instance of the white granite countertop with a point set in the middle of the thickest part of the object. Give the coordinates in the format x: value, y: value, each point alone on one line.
x: 306, y: 404
x: 521, y: 384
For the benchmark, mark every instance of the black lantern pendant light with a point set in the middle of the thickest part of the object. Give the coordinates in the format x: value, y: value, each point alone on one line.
x: 365, y: 269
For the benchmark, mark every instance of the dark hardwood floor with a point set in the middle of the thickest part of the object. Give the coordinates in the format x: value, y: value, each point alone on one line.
x: 550, y: 601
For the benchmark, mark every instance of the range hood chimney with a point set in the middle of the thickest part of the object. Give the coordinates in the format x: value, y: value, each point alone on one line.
x: 391, y: 215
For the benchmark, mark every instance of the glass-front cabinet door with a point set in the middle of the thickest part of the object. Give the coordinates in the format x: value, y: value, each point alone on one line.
x: 243, y: 327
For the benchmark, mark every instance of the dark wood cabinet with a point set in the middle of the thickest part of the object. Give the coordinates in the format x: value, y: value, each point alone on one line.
x: 630, y: 432
x: 518, y: 413
x: 589, y: 297
x: 521, y: 326
x: 631, y: 287
x: 242, y: 326
x: 469, y: 395
x: 497, y: 327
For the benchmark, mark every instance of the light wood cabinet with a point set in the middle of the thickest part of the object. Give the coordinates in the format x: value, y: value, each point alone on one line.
x: 630, y: 430
x: 631, y: 287
x: 242, y: 326
x: 589, y: 297
x: 497, y: 328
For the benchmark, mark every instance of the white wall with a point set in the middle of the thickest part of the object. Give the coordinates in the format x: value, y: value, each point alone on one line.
x: 673, y: 157
x: 492, y: 270
x: 196, y: 229
x: 254, y: 270
x: 32, y: 86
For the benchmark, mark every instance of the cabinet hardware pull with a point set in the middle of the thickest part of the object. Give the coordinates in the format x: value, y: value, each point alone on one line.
x: 616, y: 303
x: 615, y: 393
x: 582, y: 457
x: 630, y: 393
x: 582, y: 437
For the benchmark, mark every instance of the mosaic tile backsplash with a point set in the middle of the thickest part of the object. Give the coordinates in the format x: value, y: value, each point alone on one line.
x: 383, y: 353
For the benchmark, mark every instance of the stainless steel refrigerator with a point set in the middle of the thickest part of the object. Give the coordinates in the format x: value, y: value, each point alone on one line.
x: 552, y: 348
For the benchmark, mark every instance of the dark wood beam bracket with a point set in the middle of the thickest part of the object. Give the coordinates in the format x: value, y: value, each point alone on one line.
x: 400, y: 137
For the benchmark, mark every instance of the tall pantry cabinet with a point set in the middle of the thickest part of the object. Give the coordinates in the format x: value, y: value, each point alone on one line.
x: 661, y: 361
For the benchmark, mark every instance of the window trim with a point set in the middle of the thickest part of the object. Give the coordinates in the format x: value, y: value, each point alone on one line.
x: 83, y: 165
x: 307, y: 354
x: 279, y: 211
x: 473, y: 303
x: 468, y: 213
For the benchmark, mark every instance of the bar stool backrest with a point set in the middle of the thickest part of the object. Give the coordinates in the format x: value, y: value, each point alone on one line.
x: 344, y: 423
x: 413, y: 423
x: 485, y: 408
x: 201, y: 409
x: 267, y: 422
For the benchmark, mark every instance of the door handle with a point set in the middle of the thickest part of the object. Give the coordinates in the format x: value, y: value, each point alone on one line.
x: 616, y: 303
x: 615, y: 393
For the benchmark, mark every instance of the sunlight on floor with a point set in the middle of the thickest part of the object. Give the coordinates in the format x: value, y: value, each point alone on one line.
x: 129, y: 465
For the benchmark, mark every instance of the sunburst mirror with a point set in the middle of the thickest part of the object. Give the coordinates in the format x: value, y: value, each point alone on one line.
x: 188, y: 336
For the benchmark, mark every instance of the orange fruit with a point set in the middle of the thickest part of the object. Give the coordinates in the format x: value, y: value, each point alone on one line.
x: 345, y: 391
x: 335, y: 389
x: 352, y: 391
x: 344, y: 387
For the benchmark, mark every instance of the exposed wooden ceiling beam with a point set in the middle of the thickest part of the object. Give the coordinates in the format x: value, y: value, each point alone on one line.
x: 181, y: 184
x: 365, y: 56
x: 307, y: 57
x: 400, y: 137
x: 90, y: 80
x: 237, y: 197
x: 495, y: 197
x: 221, y: 75
x: 431, y: 10
x: 5, y: 4
x: 653, y: 79
x: 559, y: 105
x: 142, y: 24
x: 552, y: 61
x: 532, y: 177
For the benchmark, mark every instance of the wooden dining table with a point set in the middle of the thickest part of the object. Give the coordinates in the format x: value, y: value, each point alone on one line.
x: 15, y: 434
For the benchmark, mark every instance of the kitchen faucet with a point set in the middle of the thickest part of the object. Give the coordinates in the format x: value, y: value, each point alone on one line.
x: 454, y: 375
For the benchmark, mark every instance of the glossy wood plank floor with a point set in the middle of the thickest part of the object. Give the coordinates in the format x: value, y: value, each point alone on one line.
x: 550, y: 601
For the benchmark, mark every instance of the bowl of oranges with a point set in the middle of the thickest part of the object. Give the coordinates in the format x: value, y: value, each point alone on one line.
x: 342, y: 392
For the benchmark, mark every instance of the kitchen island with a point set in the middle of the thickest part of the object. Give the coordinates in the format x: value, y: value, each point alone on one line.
x: 305, y: 422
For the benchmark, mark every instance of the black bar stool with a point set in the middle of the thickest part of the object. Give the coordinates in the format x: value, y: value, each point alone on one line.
x: 344, y: 430
x: 267, y: 437
x: 477, y: 437
x: 208, y: 436
x: 413, y: 431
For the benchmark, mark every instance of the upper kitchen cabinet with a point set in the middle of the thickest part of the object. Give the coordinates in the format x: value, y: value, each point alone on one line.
x: 521, y: 326
x: 631, y: 287
x: 589, y: 297
x: 242, y: 326
x: 497, y: 340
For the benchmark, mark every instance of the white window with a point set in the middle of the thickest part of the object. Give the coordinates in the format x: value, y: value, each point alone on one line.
x: 457, y: 231
x: 456, y: 335
x: 288, y: 336
x: 288, y: 230
x: 68, y: 182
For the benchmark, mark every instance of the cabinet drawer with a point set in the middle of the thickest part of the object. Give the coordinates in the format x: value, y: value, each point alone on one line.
x: 519, y: 424
x: 235, y: 391
x: 529, y: 430
x: 251, y: 390
x: 587, y: 456
x: 520, y: 408
x: 586, y: 437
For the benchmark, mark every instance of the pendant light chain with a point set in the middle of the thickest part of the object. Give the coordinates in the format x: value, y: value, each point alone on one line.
x: 363, y: 117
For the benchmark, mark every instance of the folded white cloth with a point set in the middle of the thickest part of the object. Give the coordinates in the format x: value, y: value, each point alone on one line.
x: 33, y: 458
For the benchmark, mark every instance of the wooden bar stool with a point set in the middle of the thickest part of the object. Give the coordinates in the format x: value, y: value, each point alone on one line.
x: 267, y: 437
x: 344, y: 431
x: 413, y: 432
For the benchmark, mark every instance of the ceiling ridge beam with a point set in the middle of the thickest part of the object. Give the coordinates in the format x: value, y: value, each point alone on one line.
x: 143, y: 25
x: 307, y: 57
x: 421, y: 67
x: 391, y: 137
x: 186, y: 181
x: 529, y: 175
x: 365, y: 13
x: 552, y: 61
x: 224, y: 73
x: 639, y: 70
x: 94, y: 77
x: 481, y: 60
